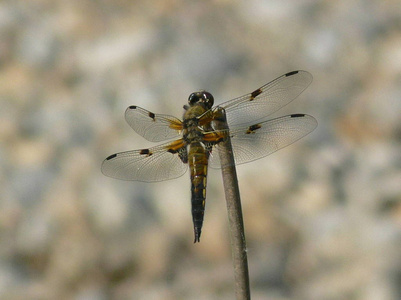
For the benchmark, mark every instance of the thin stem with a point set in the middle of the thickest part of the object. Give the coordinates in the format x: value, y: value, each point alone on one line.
x: 236, y: 224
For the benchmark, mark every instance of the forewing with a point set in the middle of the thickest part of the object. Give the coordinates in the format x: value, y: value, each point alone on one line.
x: 261, y: 139
x: 148, y: 165
x: 267, y: 99
x: 153, y: 127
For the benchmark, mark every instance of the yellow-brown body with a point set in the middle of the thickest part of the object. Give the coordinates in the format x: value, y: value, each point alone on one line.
x: 198, y: 156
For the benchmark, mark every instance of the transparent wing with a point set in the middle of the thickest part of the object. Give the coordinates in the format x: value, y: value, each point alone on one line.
x: 158, y: 163
x: 267, y: 99
x: 261, y: 139
x: 153, y: 127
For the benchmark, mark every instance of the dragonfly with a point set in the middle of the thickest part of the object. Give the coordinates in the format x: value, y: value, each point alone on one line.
x: 194, y: 141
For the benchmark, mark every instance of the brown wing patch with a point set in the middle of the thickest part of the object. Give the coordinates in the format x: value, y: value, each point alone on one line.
x: 178, y: 146
x: 297, y: 115
x: 175, y: 146
x: 255, y: 93
x: 145, y: 152
x: 111, y: 156
x: 176, y: 125
x: 214, y: 137
x: 291, y: 73
x: 253, y: 128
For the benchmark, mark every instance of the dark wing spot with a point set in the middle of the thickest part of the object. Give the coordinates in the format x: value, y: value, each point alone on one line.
x: 291, y: 73
x: 253, y: 128
x: 111, y: 156
x: 220, y: 139
x: 152, y: 115
x: 297, y: 115
x: 145, y: 152
x: 132, y: 107
x: 183, y: 155
x: 255, y: 93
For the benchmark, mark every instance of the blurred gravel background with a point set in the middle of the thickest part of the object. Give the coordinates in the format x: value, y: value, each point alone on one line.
x: 323, y: 216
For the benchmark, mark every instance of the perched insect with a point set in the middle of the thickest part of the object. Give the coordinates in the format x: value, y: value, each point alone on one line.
x: 197, y: 139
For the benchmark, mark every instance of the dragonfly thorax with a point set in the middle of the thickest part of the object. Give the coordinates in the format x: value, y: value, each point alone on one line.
x: 192, y: 130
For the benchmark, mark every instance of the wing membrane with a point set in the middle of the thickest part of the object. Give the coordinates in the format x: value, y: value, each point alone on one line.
x: 256, y: 141
x: 148, y: 165
x: 153, y: 127
x: 267, y: 99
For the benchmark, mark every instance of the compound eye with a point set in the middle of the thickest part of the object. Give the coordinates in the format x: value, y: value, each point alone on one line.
x: 193, y: 98
x: 208, y: 99
x: 201, y: 97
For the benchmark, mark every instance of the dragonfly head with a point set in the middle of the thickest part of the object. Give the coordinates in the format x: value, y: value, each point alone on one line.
x: 202, y: 97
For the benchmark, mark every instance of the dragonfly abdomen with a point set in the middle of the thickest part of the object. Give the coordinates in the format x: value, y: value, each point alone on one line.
x: 198, y: 163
